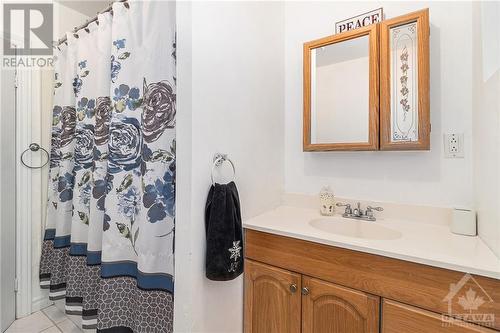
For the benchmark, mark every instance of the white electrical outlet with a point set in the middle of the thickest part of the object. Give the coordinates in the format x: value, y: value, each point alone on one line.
x: 454, y: 145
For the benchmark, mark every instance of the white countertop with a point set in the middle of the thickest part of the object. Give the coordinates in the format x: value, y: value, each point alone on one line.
x: 425, y: 243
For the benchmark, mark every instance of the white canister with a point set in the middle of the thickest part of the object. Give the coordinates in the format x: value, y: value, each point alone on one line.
x: 463, y: 222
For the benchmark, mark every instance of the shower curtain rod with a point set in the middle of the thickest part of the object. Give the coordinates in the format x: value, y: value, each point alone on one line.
x: 87, y: 22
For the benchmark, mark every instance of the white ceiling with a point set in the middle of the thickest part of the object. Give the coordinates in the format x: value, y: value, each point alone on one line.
x: 88, y: 8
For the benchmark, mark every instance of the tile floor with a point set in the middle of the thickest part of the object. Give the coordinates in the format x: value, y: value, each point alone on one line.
x: 49, y: 320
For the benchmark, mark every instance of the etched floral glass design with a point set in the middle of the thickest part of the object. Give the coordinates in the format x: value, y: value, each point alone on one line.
x: 404, y: 83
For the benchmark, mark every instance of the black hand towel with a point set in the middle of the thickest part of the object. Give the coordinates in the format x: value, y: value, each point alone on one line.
x: 224, y: 256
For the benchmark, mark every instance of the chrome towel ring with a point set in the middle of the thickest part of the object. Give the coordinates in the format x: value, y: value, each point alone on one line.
x: 218, y: 160
x: 35, y: 147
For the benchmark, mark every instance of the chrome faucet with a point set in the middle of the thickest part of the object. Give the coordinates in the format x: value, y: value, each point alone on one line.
x: 358, y: 213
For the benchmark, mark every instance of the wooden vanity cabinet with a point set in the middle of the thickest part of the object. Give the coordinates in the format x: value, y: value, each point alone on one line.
x: 278, y: 300
x: 325, y: 289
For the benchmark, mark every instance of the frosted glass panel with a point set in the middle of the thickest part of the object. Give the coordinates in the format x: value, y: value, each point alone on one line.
x: 404, y: 83
x: 340, y: 92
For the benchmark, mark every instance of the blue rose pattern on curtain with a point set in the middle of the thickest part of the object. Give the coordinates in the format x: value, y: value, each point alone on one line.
x: 108, y: 245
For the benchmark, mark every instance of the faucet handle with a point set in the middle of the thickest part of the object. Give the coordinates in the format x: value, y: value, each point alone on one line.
x: 369, y: 211
x: 348, y: 209
x: 378, y: 209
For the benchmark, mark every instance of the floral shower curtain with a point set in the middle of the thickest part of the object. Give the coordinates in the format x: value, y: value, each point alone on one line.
x: 109, y: 238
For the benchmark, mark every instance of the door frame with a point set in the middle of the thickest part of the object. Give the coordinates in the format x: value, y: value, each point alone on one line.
x: 28, y: 186
x: 23, y: 195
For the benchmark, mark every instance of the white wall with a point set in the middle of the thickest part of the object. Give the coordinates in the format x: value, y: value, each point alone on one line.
x: 339, y: 87
x: 486, y: 122
x: 230, y: 100
x: 65, y: 19
x: 408, y: 177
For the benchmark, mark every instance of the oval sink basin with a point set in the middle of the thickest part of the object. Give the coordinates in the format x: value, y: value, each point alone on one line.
x: 355, y: 228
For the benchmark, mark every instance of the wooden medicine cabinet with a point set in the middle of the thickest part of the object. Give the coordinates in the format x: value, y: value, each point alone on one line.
x: 368, y: 89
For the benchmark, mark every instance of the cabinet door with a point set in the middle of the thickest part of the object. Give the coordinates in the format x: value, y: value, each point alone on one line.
x: 272, y: 299
x: 397, y: 317
x: 329, y: 308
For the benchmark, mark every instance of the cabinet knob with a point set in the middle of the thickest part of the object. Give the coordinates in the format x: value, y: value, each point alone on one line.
x: 305, y: 291
x: 293, y: 288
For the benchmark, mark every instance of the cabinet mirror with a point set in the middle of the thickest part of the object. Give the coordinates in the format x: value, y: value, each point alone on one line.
x: 341, y: 91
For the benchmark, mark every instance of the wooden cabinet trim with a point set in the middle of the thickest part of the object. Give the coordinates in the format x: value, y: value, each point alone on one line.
x: 411, y: 283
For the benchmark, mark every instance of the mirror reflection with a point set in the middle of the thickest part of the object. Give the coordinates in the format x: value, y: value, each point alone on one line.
x: 340, y: 92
